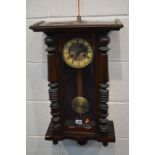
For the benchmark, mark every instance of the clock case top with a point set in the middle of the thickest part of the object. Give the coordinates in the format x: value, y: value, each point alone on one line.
x: 97, y: 34
x: 77, y: 25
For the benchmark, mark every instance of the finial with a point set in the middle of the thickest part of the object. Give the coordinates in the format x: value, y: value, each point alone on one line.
x: 79, y: 19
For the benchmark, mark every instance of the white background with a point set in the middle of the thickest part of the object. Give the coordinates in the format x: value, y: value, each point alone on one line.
x: 13, y: 78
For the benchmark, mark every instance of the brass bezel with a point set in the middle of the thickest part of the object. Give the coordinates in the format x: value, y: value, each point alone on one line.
x: 83, y: 41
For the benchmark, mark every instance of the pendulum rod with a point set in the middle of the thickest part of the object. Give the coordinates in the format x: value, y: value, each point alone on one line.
x: 79, y: 82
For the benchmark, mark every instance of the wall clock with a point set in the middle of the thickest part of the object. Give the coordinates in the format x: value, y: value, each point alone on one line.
x: 78, y: 79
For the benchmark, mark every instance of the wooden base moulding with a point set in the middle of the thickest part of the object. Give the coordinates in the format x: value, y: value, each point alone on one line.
x: 82, y: 137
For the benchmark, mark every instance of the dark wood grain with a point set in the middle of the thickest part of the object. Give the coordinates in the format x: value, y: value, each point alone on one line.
x: 75, y: 25
x: 54, y: 91
x: 83, y: 136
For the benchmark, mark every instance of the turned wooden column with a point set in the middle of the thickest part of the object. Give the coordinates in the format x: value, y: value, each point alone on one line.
x: 103, y: 84
x: 53, y: 78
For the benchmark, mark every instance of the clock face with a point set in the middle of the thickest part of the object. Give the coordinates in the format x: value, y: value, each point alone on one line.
x: 77, y: 53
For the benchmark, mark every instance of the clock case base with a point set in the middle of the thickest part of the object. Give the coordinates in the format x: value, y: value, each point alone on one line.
x: 82, y: 138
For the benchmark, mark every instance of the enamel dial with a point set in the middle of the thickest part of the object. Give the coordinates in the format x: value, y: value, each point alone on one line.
x: 77, y: 53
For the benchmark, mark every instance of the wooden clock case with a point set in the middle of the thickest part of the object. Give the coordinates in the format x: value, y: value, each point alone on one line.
x: 96, y: 33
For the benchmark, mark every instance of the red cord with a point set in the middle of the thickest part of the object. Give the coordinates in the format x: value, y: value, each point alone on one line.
x: 78, y: 7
